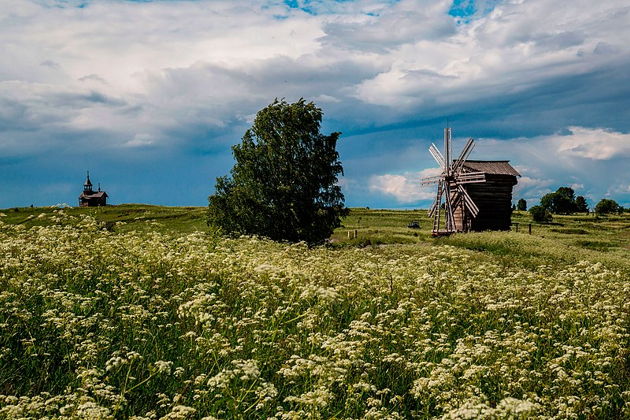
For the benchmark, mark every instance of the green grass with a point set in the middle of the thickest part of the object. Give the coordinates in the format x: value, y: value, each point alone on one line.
x: 128, y: 217
x: 548, y: 242
x: 571, y: 231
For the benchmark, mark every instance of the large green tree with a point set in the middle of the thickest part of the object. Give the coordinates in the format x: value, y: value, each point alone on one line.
x: 560, y: 202
x: 284, y: 182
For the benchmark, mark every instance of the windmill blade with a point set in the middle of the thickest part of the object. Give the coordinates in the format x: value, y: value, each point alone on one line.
x: 470, y: 204
x: 470, y: 145
x: 470, y: 177
x: 431, y: 180
x: 437, y: 155
x: 457, y: 200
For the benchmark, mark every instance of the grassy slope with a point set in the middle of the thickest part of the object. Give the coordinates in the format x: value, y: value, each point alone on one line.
x: 138, y: 217
x: 568, y: 238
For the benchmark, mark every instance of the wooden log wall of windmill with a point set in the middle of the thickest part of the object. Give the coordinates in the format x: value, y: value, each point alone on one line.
x: 459, y: 207
x: 494, y: 196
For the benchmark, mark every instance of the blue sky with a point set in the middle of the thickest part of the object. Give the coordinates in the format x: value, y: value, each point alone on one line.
x: 150, y: 95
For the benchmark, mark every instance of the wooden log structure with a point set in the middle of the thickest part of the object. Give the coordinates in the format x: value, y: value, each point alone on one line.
x: 493, y: 197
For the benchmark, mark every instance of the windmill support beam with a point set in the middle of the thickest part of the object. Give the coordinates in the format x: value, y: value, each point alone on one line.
x: 450, y: 225
x: 437, y: 202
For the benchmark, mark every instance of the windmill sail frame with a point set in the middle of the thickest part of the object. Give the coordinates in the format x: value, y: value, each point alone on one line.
x: 451, y: 188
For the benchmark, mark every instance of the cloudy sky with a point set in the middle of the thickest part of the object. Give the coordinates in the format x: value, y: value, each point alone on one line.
x: 150, y: 95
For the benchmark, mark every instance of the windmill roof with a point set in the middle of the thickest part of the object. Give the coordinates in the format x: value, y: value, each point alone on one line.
x: 494, y: 167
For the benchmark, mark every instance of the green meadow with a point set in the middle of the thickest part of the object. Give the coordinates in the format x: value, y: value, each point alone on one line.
x: 145, y: 312
x: 569, y: 238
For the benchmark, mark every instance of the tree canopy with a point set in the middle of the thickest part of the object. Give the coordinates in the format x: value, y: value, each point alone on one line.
x: 521, y: 205
x: 284, y: 182
x: 580, y: 204
x: 607, y: 206
x: 560, y: 202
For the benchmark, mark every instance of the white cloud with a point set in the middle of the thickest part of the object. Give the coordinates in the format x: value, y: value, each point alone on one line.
x: 598, y: 144
x: 403, y: 22
x: 623, y: 188
x: 405, y: 188
x: 326, y: 99
x: 587, y: 159
x: 140, y: 140
x: 165, y: 65
x: 567, y: 150
x: 512, y: 49
x: 531, y: 187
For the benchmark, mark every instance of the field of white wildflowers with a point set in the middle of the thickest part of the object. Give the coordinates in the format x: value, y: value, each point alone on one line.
x: 95, y: 324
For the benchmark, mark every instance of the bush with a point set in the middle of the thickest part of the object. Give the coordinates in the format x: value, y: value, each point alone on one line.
x: 540, y: 214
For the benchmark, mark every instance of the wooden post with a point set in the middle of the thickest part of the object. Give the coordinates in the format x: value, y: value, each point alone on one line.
x: 348, y: 234
x: 530, y: 228
x: 356, y: 233
x: 516, y: 226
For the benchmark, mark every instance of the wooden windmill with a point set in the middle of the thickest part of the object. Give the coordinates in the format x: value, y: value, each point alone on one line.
x: 457, y: 203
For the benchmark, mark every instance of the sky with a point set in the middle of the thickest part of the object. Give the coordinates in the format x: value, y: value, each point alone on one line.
x: 149, y: 96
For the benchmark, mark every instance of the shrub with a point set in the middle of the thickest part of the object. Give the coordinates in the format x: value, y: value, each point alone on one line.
x: 540, y: 214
